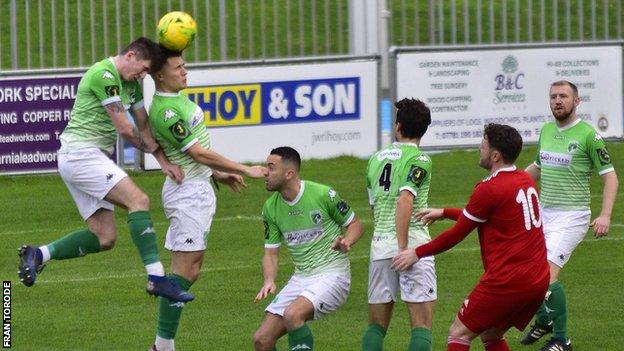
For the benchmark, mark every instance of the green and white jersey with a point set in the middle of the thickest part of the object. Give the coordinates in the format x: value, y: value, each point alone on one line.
x: 566, y: 157
x: 401, y: 166
x: 177, y: 124
x: 90, y: 124
x: 308, y: 225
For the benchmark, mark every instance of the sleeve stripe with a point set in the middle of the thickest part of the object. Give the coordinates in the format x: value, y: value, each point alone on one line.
x: 349, y: 220
x: 138, y: 105
x: 409, y: 189
x: 188, y: 146
x: 473, y: 218
x: 605, y: 171
x: 371, y: 196
x: 272, y: 246
x: 110, y: 100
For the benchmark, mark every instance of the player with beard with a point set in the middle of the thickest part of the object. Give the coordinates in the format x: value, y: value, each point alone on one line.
x: 569, y: 149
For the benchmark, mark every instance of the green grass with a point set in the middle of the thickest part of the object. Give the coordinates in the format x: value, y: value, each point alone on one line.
x: 97, y: 302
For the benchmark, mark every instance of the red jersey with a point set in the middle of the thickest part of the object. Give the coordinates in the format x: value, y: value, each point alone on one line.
x: 505, y: 208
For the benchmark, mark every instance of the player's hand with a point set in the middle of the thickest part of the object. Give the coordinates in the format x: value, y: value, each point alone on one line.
x: 601, y: 226
x: 404, y: 260
x: 256, y: 171
x: 341, y: 244
x: 234, y: 181
x: 429, y: 215
x: 174, y: 172
x: 267, y: 288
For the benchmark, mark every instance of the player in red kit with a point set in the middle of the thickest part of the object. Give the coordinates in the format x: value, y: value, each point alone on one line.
x: 505, y: 209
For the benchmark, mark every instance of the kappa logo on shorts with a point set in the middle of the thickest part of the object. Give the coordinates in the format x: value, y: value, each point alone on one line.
x: 109, y: 177
x: 188, y: 241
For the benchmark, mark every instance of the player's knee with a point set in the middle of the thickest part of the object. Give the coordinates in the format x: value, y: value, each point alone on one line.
x: 262, y: 341
x: 107, y: 243
x: 292, y: 318
x: 140, y: 202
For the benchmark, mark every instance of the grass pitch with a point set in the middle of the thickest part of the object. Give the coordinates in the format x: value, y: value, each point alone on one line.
x: 98, y: 302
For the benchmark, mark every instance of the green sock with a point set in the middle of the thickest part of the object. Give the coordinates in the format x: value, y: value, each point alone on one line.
x: 556, y: 303
x: 143, y: 236
x: 75, y: 244
x: 421, y: 340
x: 170, y: 311
x: 542, y: 318
x: 300, y: 338
x: 373, y: 338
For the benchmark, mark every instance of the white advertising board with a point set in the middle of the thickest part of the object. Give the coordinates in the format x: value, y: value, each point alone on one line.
x: 323, y: 110
x: 467, y: 89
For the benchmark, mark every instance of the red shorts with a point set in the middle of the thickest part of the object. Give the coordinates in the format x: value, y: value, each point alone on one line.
x: 485, y: 309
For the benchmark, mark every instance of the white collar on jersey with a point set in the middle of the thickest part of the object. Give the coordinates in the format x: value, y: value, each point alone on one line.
x: 398, y: 143
x: 504, y: 169
x: 298, y: 197
x: 162, y: 93
x: 578, y: 120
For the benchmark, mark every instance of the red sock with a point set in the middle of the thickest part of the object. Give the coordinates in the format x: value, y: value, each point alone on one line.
x: 456, y: 344
x: 496, y: 345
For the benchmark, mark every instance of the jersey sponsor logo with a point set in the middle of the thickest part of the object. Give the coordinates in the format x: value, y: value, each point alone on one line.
x: 573, y: 145
x: 179, y: 130
x: 169, y: 114
x: 108, y: 75
x: 393, y: 154
x: 416, y: 175
x: 603, y: 156
x: 303, y: 236
x: 555, y: 159
x: 343, y: 207
x: 316, y: 217
x: 295, y: 212
x: 111, y: 90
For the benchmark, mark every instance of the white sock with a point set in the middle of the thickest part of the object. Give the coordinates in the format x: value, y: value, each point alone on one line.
x: 163, y: 344
x: 45, y: 253
x: 155, y: 268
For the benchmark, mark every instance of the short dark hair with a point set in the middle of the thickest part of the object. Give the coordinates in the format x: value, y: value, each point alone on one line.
x: 288, y: 154
x: 414, y: 117
x: 505, y: 139
x: 145, y: 49
x: 564, y: 83
x: 161, y: 59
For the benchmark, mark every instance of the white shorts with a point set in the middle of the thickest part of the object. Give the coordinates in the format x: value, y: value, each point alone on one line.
x: 327, y: 292
x: 189, y: 207
x: 418, y: 284
x: 89, y: 175
x: 563, y: 231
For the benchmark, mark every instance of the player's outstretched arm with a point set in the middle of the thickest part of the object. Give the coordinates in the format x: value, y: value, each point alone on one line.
x: 353, y: 234
x: 216, y: 161
x: 429, y: 215
x: 269, y: 272
x: 602, y: 223
x: 404, y: 210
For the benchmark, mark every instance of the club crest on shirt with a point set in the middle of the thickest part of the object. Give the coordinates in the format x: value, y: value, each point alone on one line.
x: 572, y: 146
x: 316, y: 217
